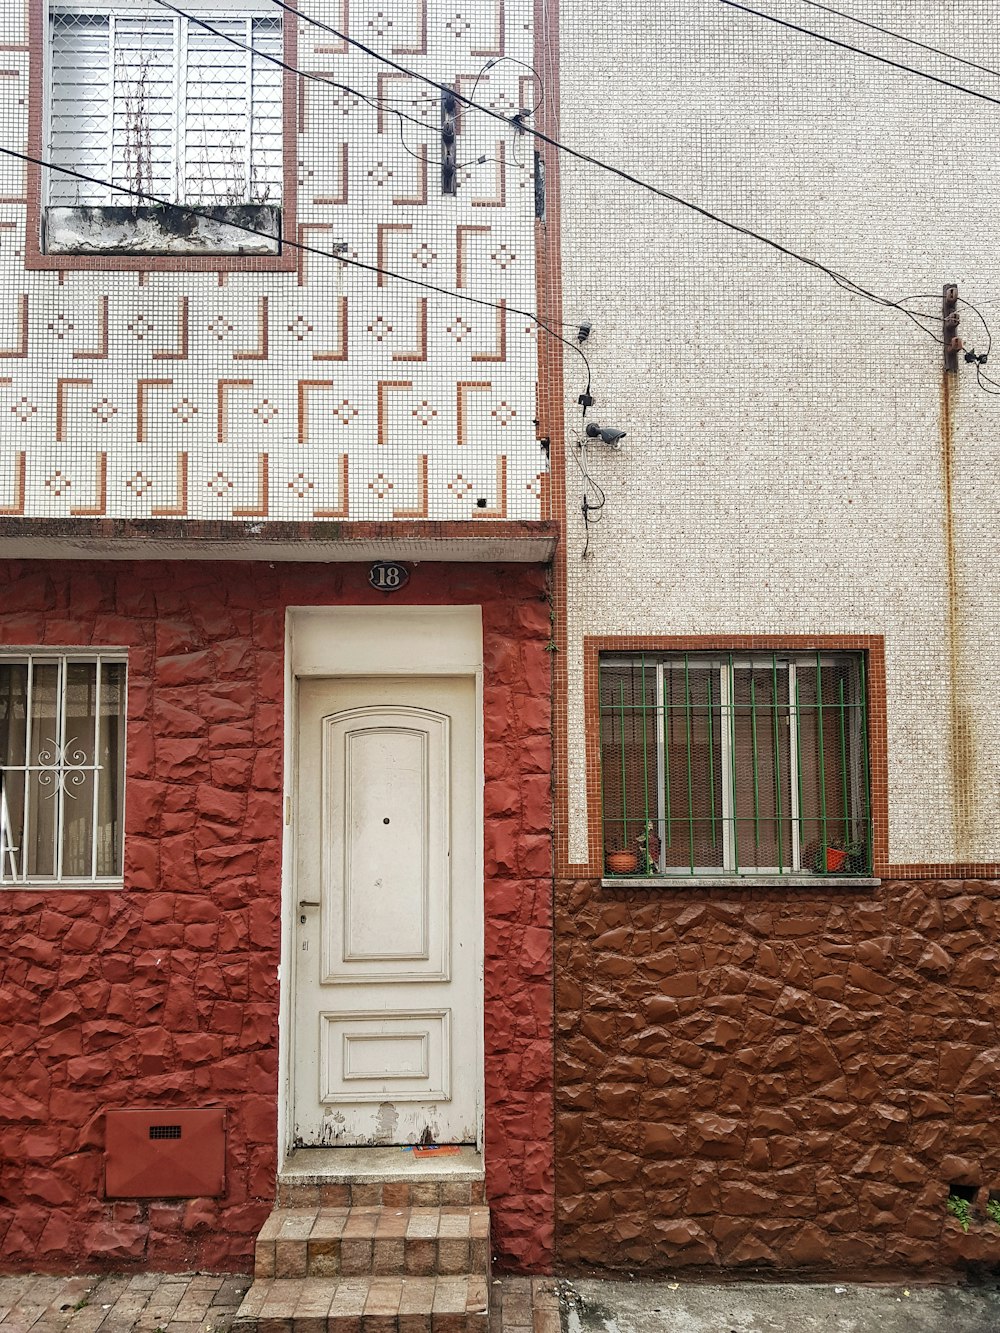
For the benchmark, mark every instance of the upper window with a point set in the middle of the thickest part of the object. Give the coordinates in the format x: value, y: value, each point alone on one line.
x: 62, y: 767
x: 729, y: 763
x: 186, y: 109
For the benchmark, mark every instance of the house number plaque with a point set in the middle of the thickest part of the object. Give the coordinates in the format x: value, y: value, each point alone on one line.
x: 388, y: 576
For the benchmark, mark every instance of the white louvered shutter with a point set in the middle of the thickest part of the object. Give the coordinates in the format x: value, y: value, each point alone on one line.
x: 266, y: 121
x: 80, y: 109
x: 232, y: 113
x: 144, y: 144
x: 162, y: 105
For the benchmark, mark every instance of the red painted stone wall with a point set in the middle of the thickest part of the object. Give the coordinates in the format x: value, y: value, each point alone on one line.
x: 165, y: 994
x: 777, y: 1079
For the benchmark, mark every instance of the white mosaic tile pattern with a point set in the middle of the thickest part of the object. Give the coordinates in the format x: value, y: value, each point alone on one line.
x: 783, y: 469
x: 183, y: 395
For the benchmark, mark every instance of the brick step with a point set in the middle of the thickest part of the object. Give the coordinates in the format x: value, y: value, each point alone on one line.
x: 423, y: 1191
x: 369, y: 1304
x: 382, y: 1241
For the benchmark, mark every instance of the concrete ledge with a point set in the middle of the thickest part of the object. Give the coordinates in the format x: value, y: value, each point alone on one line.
x: 739, y: 882
x: 362, y: 1166
x: 161, y: 229
x: 490, y: 541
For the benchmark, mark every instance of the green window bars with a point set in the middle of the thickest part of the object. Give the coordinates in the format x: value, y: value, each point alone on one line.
x: 735, y: 763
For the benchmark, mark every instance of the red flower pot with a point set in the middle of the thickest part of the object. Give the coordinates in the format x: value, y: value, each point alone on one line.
x: 622, y: 863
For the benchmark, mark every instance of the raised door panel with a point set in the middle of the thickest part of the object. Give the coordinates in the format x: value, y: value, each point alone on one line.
x: 386, y: 847
x: 386, y: 1055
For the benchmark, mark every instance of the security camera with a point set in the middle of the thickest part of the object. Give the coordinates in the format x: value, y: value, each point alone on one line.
x: 606, y: 434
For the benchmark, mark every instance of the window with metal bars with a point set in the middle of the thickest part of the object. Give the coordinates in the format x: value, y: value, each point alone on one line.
x: 150, y: 101
x: 62, y: 767
x: 735, y: 763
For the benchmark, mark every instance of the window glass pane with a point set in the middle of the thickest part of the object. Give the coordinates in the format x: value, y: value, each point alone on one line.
x: 830, y: 761
x: 692, y: 704
x: 78, y: 777
x: 43, y: 782
x: 761, y: 766
x: 628, y: 751
x: 13, y: 717
x: 111, y: 777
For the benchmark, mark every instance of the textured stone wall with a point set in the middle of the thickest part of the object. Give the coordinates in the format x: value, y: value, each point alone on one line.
x: 166, y: 993
x: 776, y: 1079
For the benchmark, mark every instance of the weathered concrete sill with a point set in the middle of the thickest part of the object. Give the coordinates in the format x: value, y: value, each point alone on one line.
x: 668, y: 882
x: 233, y: 229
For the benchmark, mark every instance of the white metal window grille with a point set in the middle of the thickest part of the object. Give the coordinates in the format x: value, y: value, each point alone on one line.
x: 62, y: 767
x: 153, y: 102
x: 734, y: 763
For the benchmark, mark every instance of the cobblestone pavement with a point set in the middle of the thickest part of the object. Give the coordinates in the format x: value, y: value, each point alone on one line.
x: 206, y: 1303
x: 145, y: 1302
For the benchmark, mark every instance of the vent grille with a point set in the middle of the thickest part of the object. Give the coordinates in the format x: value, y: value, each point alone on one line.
x: 164, y: 1131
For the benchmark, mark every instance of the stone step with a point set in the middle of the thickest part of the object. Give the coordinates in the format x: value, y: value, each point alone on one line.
x: 370, y: 1304
x: 378, y: 1241
x: 423, y: 1191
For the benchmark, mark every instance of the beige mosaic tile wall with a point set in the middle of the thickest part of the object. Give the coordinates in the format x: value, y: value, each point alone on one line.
x: 784, y: 468
x: 326, y: 392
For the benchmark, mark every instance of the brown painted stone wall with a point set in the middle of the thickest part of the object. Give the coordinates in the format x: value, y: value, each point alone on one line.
x: 165, y: 993
x: 776, y: 1079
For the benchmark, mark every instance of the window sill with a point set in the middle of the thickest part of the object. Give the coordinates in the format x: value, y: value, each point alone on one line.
x: 159, y: 230
x: 739, y: 882
x: 61, y: 885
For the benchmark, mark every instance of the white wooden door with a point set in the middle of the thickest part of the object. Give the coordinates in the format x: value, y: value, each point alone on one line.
x: 388, y: 913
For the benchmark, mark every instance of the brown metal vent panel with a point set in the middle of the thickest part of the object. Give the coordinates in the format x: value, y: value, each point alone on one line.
x: 164, y: 1154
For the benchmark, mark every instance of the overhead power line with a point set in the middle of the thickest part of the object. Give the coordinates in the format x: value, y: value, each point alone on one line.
x: 193, y: 210
x: 292, y: 69
x: 860, y: 51
x: 901, y: 37
x: 842, y: 281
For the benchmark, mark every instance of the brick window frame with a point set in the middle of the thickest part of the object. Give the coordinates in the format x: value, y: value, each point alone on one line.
x: 285, y: 261
x: 873, y: 646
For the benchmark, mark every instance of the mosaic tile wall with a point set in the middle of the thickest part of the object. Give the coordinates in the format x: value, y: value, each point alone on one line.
x: 787, y: 451
x: 326, y: 392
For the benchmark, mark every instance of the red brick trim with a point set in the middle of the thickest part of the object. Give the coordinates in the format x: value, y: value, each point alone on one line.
x: 551, y: 403
x: 34, y: 258
x: 873, y: 645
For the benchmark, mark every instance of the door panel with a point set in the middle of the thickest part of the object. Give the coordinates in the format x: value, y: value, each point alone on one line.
x: 387, y: 1020
x: 387, y: 860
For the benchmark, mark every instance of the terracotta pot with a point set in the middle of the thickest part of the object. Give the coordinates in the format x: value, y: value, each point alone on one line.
x: 835, y: 858
x: 622, y: 863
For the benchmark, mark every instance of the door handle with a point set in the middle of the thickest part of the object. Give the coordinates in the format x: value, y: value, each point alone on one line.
x: 309, y: 902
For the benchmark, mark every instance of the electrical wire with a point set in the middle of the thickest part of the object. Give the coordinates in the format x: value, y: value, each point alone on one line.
x: 292, y: 69
x: 841, y: 280
x: 846, y: 46
x: 193, y: 210
x: 911, y: 41
x: 579, y: 455
x: 499, y: 60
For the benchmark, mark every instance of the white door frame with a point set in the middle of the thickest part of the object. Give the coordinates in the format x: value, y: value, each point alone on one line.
x: 333, y: 641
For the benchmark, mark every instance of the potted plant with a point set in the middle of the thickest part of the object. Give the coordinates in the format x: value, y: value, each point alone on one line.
x: 648, y: 843
x: 849, y: 858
